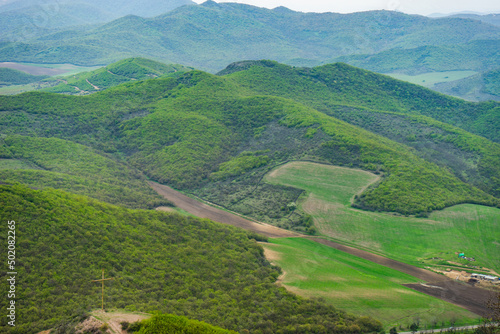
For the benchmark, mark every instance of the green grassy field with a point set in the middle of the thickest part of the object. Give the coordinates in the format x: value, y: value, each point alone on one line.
x: 468, y: 228
x: 430, y: 79
x: 358, y: 286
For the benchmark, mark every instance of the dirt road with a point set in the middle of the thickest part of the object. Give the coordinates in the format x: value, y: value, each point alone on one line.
x: 206, y: 211
x: 458, y: 293
x: 469, y: 297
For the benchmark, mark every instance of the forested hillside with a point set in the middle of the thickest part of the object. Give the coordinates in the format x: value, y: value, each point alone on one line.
x: 478, y: 55
x: 216, y: 136
x: 475, y: 61
x: 21, y: 20
x: 159, y: 262
x: 13, y: 77
x: 211, y: 35
x: 56, y: 163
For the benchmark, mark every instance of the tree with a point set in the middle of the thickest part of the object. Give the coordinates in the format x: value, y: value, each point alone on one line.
x: 393, y: 330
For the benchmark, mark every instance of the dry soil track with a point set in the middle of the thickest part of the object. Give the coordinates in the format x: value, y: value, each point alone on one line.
x: 466, y: 296
x: 206, y: 211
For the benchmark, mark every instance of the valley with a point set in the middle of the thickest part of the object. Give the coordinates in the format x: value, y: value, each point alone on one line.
x: 323, y: 271
x: 229, y: 168
x: 173, y: 132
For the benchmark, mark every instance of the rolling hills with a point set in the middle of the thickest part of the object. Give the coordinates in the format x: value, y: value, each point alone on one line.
x: 22, y: 20
x: 216, y: 136
x: 113, y: 75
x: 480, y: 57
x: 211, y: 35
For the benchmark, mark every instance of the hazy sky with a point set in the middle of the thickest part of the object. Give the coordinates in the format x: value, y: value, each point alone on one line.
x: 423, y: 7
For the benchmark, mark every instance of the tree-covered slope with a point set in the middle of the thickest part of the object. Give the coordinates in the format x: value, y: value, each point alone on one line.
x: 217, y: 136
x: 10, y: 76
x: 159, y: 262
x: 115, y: 74
x: 476, y: 60
x: 211, y: 35
x: 478, y: 55
x: 323, y: 87
x: 394, y: 109
x: 22, y: 20
x: 61, y: 164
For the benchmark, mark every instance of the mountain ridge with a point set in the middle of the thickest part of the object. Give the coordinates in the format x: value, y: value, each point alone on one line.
x: 248, y: 32
x: 177, y: 131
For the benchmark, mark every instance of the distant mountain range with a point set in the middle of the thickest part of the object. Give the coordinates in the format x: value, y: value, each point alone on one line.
x: 212, y: 35
x: 487, y: 18
x: 24, y: 19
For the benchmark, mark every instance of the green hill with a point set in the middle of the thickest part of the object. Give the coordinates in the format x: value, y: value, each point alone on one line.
x: 23, y: 20
x: 478, y: 55
x: 386, y: 106
x: 159, y: 262
x: 170, y: 324
x: 61, y: 164
x: 115, y: 74
x: 439, y: 64
x: 10, y: 76
x: 211, y: 35
x: 216, y: 136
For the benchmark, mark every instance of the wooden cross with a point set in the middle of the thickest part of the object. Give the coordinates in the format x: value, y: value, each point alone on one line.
x: 102, y: 281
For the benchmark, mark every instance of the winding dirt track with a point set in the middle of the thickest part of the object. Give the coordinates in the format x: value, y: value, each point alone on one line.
x: 206, y: 211
x: 442, y: 287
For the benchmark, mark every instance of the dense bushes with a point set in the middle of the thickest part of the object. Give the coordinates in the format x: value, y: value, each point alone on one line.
x: 76, y: 168
x: 159, y: 261
x: 191, y: 132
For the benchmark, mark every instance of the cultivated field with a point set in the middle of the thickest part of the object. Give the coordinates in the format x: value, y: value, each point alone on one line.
x: 358, y: 285
x: 316, y: 266
x: 436, y: 240
x: 53, y: 70
x: 47, y: 69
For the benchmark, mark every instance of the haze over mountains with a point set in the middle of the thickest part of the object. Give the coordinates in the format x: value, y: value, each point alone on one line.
x: 212, y: 35
x: 24, y: 19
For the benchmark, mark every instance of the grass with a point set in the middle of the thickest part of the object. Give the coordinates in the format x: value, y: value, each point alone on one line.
x: 357, y: 285
x: 430, y: 79
x: 473, y: 229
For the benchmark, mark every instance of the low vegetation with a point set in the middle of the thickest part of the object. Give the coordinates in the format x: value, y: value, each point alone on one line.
x: 171, y: 324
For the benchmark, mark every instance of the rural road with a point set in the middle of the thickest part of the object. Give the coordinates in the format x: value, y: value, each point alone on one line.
x: 203, y: 210
x: 469, y: 297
